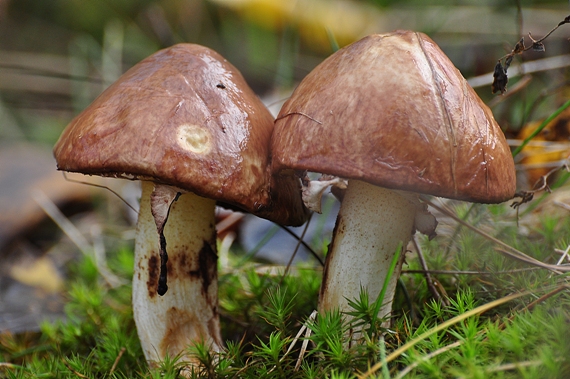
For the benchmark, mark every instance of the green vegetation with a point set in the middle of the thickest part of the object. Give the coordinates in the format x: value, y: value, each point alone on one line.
x: 271, y: 332
x: 487, y: 312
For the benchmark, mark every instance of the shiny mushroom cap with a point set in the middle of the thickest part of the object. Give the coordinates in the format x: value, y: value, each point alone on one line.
x: 392, y: 110
x: 184, y: 117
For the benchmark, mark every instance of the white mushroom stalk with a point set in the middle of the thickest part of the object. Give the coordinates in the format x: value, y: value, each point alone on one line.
x: 188, y: 312
x: 372, y: 224
x: 183, y: 116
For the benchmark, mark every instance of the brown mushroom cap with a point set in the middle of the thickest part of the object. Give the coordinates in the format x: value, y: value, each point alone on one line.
x: 392, y: 110
x: 184, y: 117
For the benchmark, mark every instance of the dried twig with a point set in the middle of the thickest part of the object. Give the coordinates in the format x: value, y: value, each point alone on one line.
x: 540, y: 186
x: 546, y: 296
x: 9, y: 365
x: 505, y: 248
x: 301, y: 238
x: 402, y: 349
x: 305, y: 245
x: 514, y: 366
x: 74, y: 235
x: 307, y: 331
x: 564, y: 255
x: 305, y: 343
x: 481, y: 273
x: 562, y: 205
x: 539, y: 65
x: 121, y: 352
x: 427, y: 357
x: 500, y: 78
x: 103, y: 187
x: 76, y: 373
x: 61, y: 221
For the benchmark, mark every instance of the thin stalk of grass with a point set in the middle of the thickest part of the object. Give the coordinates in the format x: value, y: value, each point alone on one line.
x: 6, y: 365
x: 296, y: 248
x: 247, y: 258
x: 429, y: 282
x: 380, y: 300
x: 71, y: 231
x: 513, y: 366
x: 485, y: 273
x: 71, y: 180
x: 385, y: 370
x: 563, y: 256
x: 427, y: 357
x: 547, y: 296
x: 305, y: 343
x: 507, y: 249
x: 540, y: 127
x: 446, y: 348
x: 457, y: 229
x: 116, y: 362
x: 476, y: 311
x: 332, y: 40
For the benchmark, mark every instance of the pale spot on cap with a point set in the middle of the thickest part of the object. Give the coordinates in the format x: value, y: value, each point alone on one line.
x: 194, y: 138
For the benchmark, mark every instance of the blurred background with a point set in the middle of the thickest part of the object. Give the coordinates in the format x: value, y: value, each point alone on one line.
x: 56, y: 56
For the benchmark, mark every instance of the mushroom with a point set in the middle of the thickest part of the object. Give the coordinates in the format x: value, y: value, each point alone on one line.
x: 185, y: 122
x: 393, y: 116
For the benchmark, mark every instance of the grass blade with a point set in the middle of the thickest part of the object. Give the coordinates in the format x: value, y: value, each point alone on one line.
x: 443, y: 326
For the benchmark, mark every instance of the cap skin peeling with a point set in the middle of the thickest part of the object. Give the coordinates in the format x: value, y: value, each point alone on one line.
x: 393, y: 116
x: 194, y: 138
x: 193, y: 142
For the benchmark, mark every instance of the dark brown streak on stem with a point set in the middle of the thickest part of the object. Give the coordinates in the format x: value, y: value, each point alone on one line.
x: 163, y: 276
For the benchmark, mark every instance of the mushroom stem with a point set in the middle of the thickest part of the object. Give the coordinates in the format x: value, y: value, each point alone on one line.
x: 188, y: 312
x: 371, y: 224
